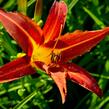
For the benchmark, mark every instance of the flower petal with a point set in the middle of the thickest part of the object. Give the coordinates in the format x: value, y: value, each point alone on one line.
x: 82, y: 77
x: 15, y: 69
x: 21, y: 28
x: 79, y: 42
x: 55, y: 21
x: 59, y: 76
x: 33, y: 29
x: 59, y: 73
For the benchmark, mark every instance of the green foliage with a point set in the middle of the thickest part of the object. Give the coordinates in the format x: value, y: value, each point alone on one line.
x: 22, y: 6
x: 37, y: 91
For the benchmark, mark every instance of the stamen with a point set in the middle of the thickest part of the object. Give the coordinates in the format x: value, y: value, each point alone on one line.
x: 56, y: 57
x: 57, y: 38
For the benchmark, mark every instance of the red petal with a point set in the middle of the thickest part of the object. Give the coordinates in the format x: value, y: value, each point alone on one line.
x: 33, y: 29
x: 15, y: 69
x: 60, y: 72
x: 55, y: 21
x: 82, y: 77
x: 59, y: 76
x: 21, y: 29
x: 79, y: 42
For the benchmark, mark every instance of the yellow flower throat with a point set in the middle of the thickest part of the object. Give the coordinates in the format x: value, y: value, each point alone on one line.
x: 44, y: 54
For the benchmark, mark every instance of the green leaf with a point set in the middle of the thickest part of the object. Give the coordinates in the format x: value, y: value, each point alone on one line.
x: 107, y: 66
x: 10, y: 4
x: 6, y: 42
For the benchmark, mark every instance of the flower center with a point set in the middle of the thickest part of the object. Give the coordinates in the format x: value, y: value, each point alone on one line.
x: 55, y: 57
x: 44, y: 54
x: 41, y: 54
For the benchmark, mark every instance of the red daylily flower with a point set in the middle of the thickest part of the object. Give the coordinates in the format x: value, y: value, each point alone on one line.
x: 48, y: 50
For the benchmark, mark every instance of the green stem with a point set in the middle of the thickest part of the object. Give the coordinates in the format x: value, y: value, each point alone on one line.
x: 14, y: 88
x: 3, y: 107
x: 100, y: 76
x: 97, y: 21
x: 102, y: 103
x: 30, y: 2
x: 22, y: 83
x: 72, y: 4
x: 25, y: 100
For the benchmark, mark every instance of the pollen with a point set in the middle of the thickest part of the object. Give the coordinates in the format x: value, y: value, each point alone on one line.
x: 55, y: 57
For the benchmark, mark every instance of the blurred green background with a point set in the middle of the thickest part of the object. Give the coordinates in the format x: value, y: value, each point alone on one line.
x: 39, y: 91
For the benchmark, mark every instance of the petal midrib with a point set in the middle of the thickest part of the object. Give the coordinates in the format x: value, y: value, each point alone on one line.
x: 17, y: 69
x: 74, y: 45
x: 48, y: 38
